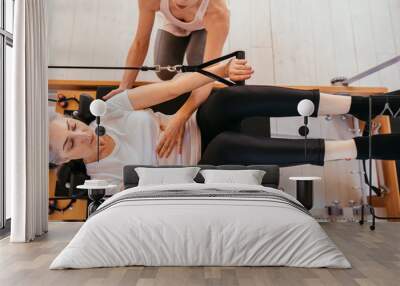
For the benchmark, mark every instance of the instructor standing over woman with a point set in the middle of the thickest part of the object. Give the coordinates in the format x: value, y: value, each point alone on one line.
x: 197, y: 28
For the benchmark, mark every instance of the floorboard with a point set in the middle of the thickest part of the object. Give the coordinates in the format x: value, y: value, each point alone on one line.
x: 375, y: 257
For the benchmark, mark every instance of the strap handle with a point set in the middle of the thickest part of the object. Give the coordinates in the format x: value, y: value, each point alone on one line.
x: 240, y: 55
x: 200, y: 68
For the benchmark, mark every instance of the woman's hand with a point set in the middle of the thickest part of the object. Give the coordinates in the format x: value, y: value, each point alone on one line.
x: 238, y: 70
x: 113, y: 92
x: 172, y: 136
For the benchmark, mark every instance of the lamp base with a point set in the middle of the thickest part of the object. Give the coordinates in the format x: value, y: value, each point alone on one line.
x: 304, y: 190
x: 96, y: 196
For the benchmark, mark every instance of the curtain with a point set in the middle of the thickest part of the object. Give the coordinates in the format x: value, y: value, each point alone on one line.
x: 27, y: 124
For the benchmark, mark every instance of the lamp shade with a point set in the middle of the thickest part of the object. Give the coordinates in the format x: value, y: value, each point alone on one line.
x: 98, y: 107
x: 305, y: 107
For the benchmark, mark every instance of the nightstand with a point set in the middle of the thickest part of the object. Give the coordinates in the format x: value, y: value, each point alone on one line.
x: 96, y: 192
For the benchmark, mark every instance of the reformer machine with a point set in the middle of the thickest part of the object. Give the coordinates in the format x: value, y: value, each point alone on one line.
x: 368, y: 130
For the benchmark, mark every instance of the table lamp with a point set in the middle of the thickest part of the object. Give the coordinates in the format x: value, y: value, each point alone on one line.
x: 305, y: 108
x: 98, y: 108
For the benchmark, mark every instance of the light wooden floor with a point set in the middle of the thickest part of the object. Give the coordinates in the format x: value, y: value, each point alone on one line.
x: 375, y: 257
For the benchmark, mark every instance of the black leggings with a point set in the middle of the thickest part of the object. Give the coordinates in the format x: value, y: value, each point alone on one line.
x: 220, y: 115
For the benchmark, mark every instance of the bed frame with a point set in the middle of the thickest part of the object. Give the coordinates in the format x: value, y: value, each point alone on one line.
x: 270, y: 179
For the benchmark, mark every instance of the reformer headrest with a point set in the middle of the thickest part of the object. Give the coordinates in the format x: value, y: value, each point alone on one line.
x: 83, y: 113
x: 69, y: 176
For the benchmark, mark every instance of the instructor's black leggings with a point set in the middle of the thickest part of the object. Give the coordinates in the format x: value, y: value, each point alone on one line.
x: 220, y: 115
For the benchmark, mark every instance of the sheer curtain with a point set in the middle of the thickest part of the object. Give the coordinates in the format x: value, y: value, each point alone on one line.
x: 26, y: 120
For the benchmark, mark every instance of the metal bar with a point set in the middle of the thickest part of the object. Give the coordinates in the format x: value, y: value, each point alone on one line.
x: 3, y: 15
x: 6, y: 34
x: 9, y: 42
x: 356, y: 123
x: 370, y: 161
x: 372, y: 70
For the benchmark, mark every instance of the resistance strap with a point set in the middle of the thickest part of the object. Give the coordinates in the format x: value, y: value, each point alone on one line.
x: 200, y: 68
x: 367, y: 133
x: 176, y: 68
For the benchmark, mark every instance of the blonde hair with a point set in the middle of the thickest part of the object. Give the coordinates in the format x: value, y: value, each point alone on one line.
x: 54, y: 156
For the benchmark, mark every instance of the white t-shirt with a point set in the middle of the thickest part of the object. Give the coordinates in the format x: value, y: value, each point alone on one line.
x: 136, y: 134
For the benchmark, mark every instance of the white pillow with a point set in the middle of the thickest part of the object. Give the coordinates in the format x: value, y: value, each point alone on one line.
x: 248, y: 177
x: 165, y: 176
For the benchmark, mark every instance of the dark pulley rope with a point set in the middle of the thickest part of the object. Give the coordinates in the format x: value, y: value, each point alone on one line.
x: 176, y: 68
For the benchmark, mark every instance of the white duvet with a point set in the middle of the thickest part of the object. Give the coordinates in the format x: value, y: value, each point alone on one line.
x: 200, y: 231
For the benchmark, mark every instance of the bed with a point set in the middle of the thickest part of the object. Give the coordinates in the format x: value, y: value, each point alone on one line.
x: 199, y: 224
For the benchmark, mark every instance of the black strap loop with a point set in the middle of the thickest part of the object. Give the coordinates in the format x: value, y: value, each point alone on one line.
x: 377, y: 190
x: 200, y: 68
x: 209, y: 63
x: 216, y: 77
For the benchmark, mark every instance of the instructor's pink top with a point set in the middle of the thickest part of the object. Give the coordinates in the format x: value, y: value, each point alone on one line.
x: 181, y: 28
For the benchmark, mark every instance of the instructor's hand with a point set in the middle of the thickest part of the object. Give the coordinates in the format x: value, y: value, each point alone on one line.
x: 113, y: 92
x: 172, y: 136
x: 239, y: 70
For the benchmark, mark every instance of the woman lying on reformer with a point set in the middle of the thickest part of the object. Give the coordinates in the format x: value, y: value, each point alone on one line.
x: 134, y: 133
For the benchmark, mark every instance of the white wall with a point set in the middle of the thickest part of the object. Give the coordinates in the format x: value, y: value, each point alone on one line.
x: 295, y: 42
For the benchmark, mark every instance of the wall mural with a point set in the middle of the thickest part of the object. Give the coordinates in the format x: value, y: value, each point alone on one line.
x: 148, y: 99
